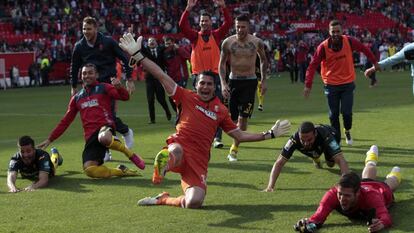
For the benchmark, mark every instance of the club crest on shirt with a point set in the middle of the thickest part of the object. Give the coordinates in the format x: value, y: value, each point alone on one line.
x: 216, y: 108
x: 206, y: 112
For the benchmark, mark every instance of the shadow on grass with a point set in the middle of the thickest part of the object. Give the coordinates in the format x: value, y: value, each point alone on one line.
x: 252, y: 213
x: 362, y: 149
x: 71, y: 182
x: 255, y: 167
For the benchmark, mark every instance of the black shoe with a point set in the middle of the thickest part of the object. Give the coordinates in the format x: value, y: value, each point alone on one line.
x: 169, y: 117
x: 151, y: 122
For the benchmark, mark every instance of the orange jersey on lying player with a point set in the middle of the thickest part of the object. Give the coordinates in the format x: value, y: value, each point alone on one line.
x: 197, y: 125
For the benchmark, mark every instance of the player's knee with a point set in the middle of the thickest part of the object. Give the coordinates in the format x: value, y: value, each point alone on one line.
x: 193, y: 203
x: 176, y: 150
x: 105, y: 136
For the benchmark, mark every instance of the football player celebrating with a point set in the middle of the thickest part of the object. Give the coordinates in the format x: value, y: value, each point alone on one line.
x: 188, y: 150
x: 32, y: 163
x: 312, y: 141
x: 364, y: 199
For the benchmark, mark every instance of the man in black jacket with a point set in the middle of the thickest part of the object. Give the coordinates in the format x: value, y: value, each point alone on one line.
x: 154, y: 88
x: 101, y: 51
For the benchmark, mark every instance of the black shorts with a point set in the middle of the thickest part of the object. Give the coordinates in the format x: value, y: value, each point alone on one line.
x: 94, y: 150
x: 242, y: 94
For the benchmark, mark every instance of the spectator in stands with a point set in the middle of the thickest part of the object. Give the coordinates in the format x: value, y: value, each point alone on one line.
x: 44, y: 70
x: 205, y: 44
x: 14, y: 76
x: 153, y: 87
x: 34, y: 74
x: 338, y: 74
x: 301, y: 56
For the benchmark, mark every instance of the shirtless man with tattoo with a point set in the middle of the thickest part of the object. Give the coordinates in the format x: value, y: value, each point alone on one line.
x: 240, y: 51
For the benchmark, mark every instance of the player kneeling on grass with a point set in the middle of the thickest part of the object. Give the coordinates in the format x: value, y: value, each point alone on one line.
x: 188, y: 150
x: 93, y: 102
x: 365, y: 199
x: 312, y: 141
x: 32, y: 163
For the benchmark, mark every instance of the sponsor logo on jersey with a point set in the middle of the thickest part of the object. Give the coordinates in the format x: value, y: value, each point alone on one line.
x: 90, y: 103
x: 334, y: 145
x: 206, y: 112
x: 288, y: 144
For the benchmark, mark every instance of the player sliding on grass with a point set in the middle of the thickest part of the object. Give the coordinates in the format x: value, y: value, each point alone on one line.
x: 312, y: 141
x: 32, y: 163
x: 188, y: 150
x: 364, y: 199
x: 93, y: 102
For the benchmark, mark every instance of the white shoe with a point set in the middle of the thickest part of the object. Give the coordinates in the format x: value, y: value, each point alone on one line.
x: 232, y: 157
x: 217, y: 143
x: 348, y: 138
x: 373, y: 149
x: 129, y: 138
x: 108, y: 156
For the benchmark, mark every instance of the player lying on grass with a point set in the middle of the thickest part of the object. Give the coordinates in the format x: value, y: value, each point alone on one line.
x: 93, y: 102
x: 311, y: 141
x: 33, y: 164
x: 188, y: 150
x: 365, y: 199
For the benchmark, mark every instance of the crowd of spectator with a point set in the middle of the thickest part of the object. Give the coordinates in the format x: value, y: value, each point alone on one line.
x: 58, y: 22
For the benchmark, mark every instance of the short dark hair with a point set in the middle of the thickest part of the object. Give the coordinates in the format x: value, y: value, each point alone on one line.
x: 306, y: 127
x: 91, y: 65
x: 90, y: 20
x: 168, y: 38
x: 243, y: 17
x: 25, y: 140
x: 350, y: 180
x: 210, y: 73
x: 206, y: 14
x: 335, y: 22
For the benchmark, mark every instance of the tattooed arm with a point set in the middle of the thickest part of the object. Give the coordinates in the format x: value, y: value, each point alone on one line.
x: 263, y: 64
x: 224, y: 55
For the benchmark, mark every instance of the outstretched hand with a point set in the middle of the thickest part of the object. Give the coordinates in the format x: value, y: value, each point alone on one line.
x: 132, y: 47
x: 281, y: 127
x: 43, y: 145
x: 304, y: 226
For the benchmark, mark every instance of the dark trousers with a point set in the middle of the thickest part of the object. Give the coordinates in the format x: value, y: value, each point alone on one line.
x: 302, y: 71
x: 155, y: 89
x: 340, y: 99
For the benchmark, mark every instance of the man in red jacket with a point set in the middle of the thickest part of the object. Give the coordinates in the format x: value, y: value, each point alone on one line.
x: 365, y: 199
x: 93, y: 102
x: 338, y: 74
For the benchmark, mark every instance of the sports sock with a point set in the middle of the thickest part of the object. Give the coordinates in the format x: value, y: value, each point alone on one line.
x: 396, y: 171
x: 259, y: 93
x: 102, y: 172
x: 117, y: 145
x: 234, y: 148
x: 173, y: 201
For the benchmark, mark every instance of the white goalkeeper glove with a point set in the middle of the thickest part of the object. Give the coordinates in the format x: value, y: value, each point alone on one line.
x: 280, y: 128
x: 132, y: 47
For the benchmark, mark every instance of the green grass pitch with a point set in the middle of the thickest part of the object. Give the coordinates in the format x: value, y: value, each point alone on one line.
x: 75, y: 203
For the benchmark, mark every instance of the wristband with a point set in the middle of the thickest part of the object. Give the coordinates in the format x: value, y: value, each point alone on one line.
x: 268, y: 134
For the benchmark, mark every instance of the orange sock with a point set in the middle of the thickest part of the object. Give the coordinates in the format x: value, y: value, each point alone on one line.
x: 173, y: 201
